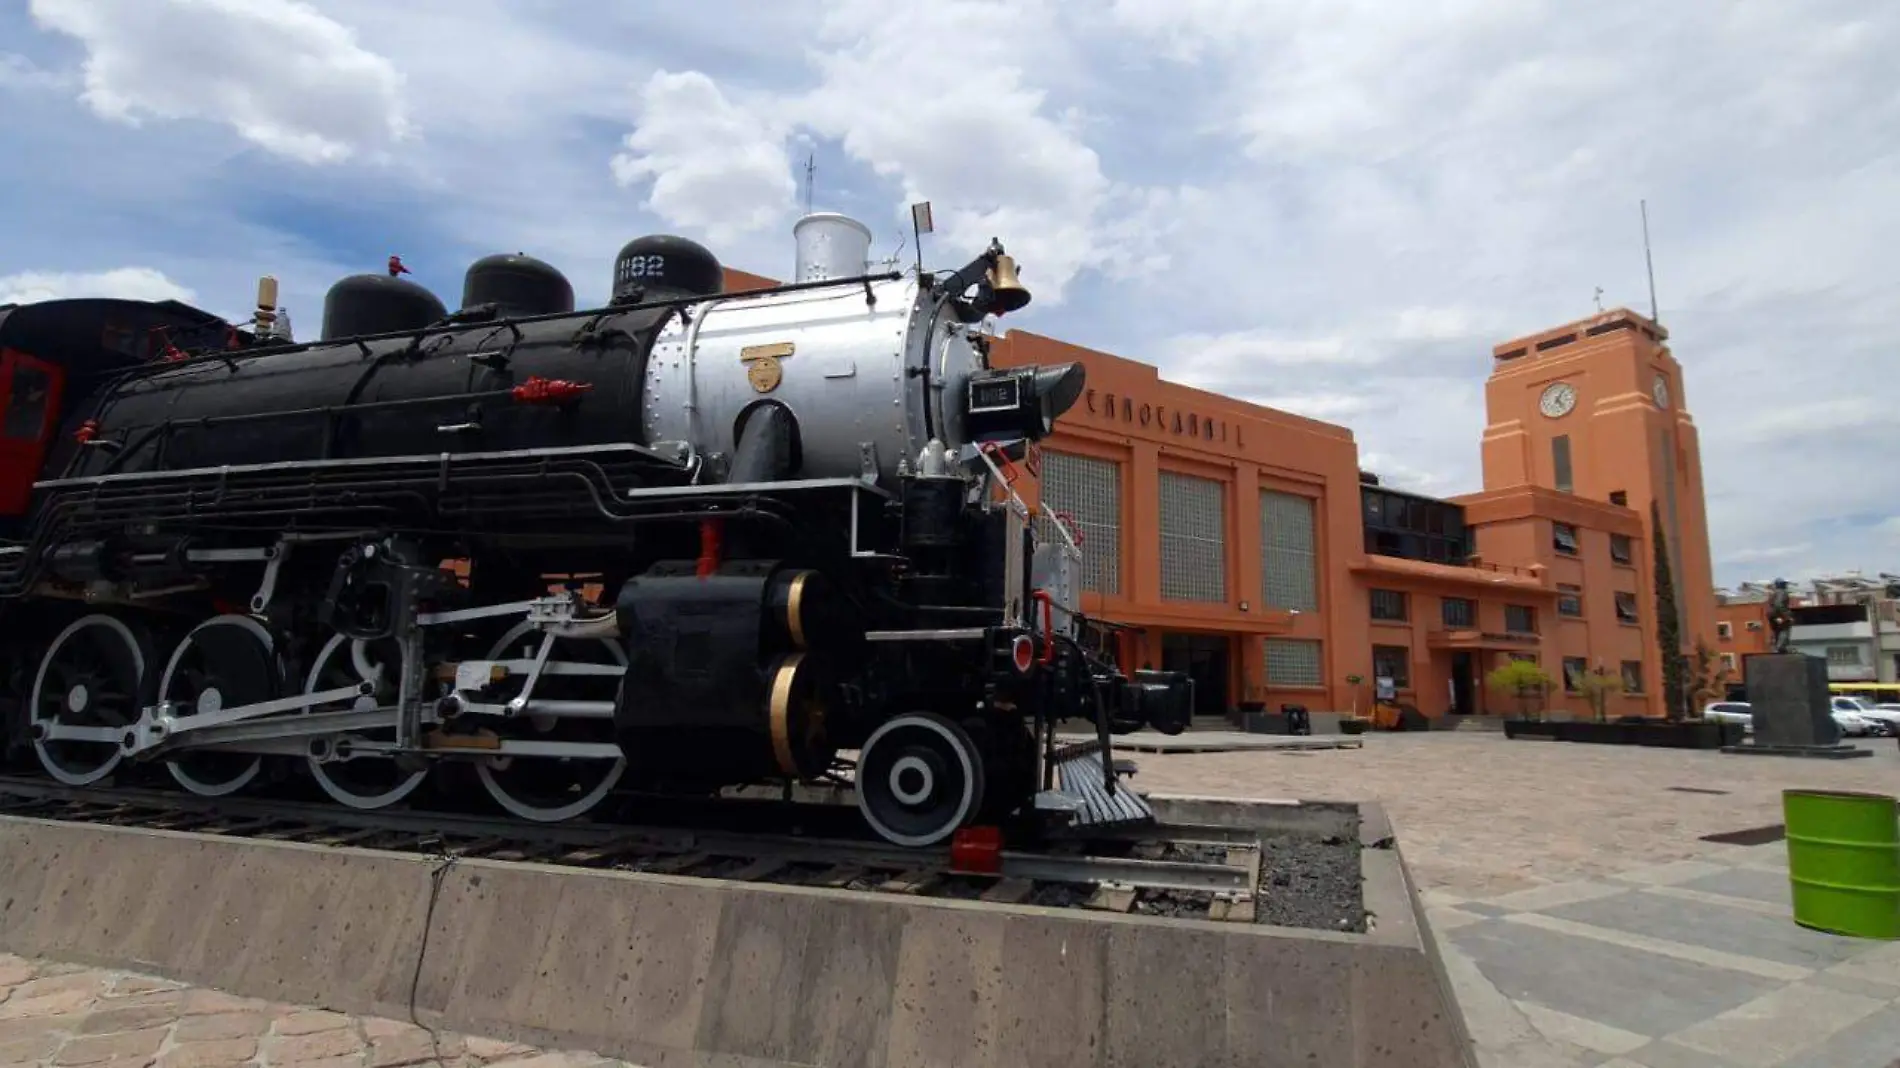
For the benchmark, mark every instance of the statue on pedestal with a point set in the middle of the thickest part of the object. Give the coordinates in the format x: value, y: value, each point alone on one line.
x: 1780, y: 618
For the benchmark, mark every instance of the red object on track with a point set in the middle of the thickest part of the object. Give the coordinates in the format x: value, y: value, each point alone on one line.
x: 977, y: 850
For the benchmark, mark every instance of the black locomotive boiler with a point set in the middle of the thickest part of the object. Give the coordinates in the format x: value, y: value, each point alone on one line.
x: 686, y: 541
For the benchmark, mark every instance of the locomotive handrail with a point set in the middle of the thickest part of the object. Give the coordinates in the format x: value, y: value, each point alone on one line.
x: 578, y: 313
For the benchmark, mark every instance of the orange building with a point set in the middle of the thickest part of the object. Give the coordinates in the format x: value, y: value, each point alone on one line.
x: 1741, y: 628
x: 1243, y: 545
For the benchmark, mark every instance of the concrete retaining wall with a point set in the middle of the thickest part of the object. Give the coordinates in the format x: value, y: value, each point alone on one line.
x: 670, y: 971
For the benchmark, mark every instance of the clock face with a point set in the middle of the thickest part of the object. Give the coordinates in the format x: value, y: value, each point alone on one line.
x: 1660, y: 390
x: 1558, y: 399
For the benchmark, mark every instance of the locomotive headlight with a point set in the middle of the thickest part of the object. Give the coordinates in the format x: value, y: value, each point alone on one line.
x: 1021, y: 402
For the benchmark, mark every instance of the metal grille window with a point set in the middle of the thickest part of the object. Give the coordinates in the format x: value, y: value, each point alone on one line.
x: 1844, y: 655
x: 1625, y: 606
x: 1520, y: 619
x: 1293, y: 662
x: 1289, y: 558
x: 1575, y: 668
x: 1458, y: 611
x: 1090, y: 492
x: 1193, y: 538
x: 1388, y: 605
x: 1393, y: 662
x: 1569, y: 600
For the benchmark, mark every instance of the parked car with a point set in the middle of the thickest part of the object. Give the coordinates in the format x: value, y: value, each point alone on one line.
x: 1851, y: 716
x: 1886, y: 713
x: 1730, y: 712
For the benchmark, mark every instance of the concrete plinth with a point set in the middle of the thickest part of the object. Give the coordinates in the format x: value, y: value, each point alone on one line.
x: 677, y: 972
x: 1788, y: 697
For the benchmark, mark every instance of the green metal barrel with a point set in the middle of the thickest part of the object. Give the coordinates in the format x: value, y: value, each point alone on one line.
x: 1844, y: 861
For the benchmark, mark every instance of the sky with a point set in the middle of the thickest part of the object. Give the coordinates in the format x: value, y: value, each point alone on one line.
x: 1335, y: 207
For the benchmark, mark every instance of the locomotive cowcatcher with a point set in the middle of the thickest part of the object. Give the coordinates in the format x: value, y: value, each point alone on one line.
x: 688, y: 541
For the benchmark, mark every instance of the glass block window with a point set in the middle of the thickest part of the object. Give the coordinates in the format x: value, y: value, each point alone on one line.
x: 1090, y: 491
x: 1289, y: 557
x: 1193, y: 538
x: 1293, y: 662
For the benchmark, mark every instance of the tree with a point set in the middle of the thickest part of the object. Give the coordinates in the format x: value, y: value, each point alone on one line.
x: 1708, y: 677
x: 1668, y: 623
x: 1596, y: 687
x: 1521, y: 679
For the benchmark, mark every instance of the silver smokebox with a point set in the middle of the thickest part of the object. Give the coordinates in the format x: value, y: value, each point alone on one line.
x: 829, y: 246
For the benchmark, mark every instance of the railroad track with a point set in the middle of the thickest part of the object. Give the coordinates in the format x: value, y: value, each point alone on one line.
x: 1177, y: 870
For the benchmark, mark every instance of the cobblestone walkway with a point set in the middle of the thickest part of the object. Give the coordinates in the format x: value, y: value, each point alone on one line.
x: 73, y: 1017
x: 1583, y: 918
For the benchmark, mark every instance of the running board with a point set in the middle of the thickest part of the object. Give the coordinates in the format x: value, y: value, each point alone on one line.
x: 1081, y: 792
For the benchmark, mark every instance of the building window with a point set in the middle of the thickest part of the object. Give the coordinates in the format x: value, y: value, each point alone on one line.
x: 1193, y: 538
x: 1632, y: 676
x: 1560, y: 460
x: 1413, y: 528
x: 1625, y: 607
x: 1520, y: 619
x: 1528, y: 658
x: 1289, y: 553
x: 1563, y: 537
x: 1089, y: 491
x: 1389, y: 605
x: 1575, y: 667
x: 1620, y: 548
x: 1843, y: 655
x: 1393, y: 662
x: 1620, y: 497
x: 1570, y: 601
x: 1458, y: 611
x: 1725, y: 630
x: 1292, y: 662
x: 1728, y: 661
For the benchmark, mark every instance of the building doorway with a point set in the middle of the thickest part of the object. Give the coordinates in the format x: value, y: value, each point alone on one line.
x: 1204, y: 658
x: 1462, y: 684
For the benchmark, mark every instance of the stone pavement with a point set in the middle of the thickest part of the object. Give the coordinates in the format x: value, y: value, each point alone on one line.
x: 68, y: 1016
x: 1583, y: 919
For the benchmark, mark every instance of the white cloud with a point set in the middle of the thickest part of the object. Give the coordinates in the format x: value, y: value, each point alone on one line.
x: 124, y: 283
x: 1767, y: 553
x: 279, y: 72
x: 1334, y: 208
x: 707, y: 162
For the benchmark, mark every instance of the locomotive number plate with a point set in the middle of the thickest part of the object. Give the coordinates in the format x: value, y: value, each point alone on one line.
x: 762, y: 367
x: 765, y: 373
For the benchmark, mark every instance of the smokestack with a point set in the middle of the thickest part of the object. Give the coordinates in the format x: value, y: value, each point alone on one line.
x: 830, y: 245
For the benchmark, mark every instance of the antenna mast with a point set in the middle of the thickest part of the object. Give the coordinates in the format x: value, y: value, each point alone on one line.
x: 1649, y: 264
x: 811, y: 172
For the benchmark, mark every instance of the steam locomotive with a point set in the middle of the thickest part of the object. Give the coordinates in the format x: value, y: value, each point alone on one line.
x: 688, y: 541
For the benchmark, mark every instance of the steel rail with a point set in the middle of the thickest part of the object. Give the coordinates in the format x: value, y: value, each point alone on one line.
x: 436, y: 831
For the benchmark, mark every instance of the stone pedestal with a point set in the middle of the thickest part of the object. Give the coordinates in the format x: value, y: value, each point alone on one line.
x: 1787, y: 692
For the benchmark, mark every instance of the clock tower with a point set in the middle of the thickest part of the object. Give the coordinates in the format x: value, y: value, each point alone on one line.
x: 1595, y: 408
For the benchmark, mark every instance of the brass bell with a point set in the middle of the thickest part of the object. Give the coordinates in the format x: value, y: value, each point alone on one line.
x: 1006, y: 290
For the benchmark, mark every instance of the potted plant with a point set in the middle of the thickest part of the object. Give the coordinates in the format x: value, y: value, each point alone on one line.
x: 1527, y: 683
